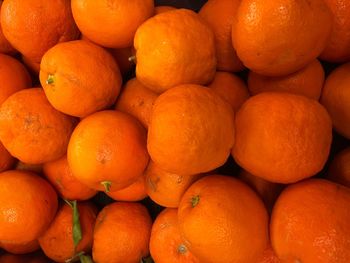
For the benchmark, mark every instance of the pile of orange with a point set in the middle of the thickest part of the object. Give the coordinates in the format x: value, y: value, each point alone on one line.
x: 136, y: 132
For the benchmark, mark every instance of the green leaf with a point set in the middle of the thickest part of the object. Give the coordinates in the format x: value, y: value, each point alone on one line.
x: 85, y: 259
x: 107, y: 185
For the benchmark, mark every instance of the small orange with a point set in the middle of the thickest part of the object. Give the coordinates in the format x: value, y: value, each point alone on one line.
x: 339, y: 168
x: 223, y: 220
x: 279, y: 37
x: 219, y: 14
x: 165, y: 188
x: 282, y: 137
x: 6, y: 159
x: 21, y: 248
x: 308, y: 82
x: 166, y: 243
x: 28, y: 204
x: 134, y: 192
x: 13, y: 77
x: 67, y: 186
x: 111, y: 23
x: 310, y: 223
x: 79, y: 78
x: 163, y: 9
x: 231, y: 88
x: 34, y: 26
x: 336, y: 98
x: 122, y: 233
x: 137, y: 100
x: 57, y: 241
x: 5, y: 46
x: 107, y: 150
x: 174, y: 48
x: 31, y: 129
x: 191, y: 130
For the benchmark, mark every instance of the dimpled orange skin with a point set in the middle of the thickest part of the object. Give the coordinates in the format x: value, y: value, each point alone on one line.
x: 339, y: 168
x: 28, y: 204
x: 117, y: 20
x: 219, y: 14
x: 137, y: 100
x: 231, y: 88
x: 31, y: 129
x: 6, y: 160
x: 308, y: 81
x: 21, y: 248
x: 223, y: 220
x: 174, y: 48
x: 338, y: 45
x: 67, y: 186
x: 310, y: 223
x: 166, y: 244
x: 336, y: 98
x: 282, y: 137
x: 279, y: 37
x: 134, y: 192
x: 165, y: 188
x: 34, y: 26
x: 163, y: 9
x: 57, y: 241
x: 85, y: 78
x: 108, y: 146
x: 204, y: 125
x: 269, y: 256
x: 122, y: 233
x: 13, y: 77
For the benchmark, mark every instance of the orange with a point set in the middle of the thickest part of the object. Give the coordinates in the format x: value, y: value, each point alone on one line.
x: 80, y: 78
x: 269, y: 256
x: 6, y: 160
x: 31, y: 129
x: 223, y: 220
x: 163, y: 9
x: 21, y: 248
x: 57, y: 241
x: 339, y: 168
x: 107, y: 150
x: 219, y: 14
x: 5, y: 46
x: 279, y: 37
x: 67, y: 186
x: 282, y: 137
x: 174, y: 48
x: 13, y: 77
x: 33, y: 66
x: 165, y: 188
x: 166, y: 243
x: 123, y: 58
x: 231, y: 88
x: 27, y: 206
x: 191, y: 130
x: 336, y: 98
x: 310, y: 223
x: 268, y: 191
x: 29, y: 258
x: 111, y: 23
x: 137, y: 100
x: 122, y: 233
x: 338, y: 45
x: 34, y: 26
x: 134, y: 192
x: 308, y: 82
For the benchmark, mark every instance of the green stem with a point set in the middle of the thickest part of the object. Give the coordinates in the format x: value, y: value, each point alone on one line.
x: 107, y: 185
x: 195, y: 200
x: 85, y: 259
x: 50, y: 79
x: 132, y: 59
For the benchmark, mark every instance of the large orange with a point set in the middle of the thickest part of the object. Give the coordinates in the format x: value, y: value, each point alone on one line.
x: 31, y: 129
x: 34, y: 26
x: 13, y: 77
x: 339, y: 168
x: 282, y: 137
x: 219, y: 14
x: 223, y: 220
x: 28, y: 204
x: 174, y: 48
x: 20, y: 248
x: 57, y: 240
x: 282, y: 36
x: 166, y: 243
x: 310, y: 223
x: 80, y: 78
x: 122, y: 233
x: 111, y: 23
x: 307, y: 81
x: 107, y: 150
x: 191, y: 130
x: 5, y: 46
x: 336, y: 98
